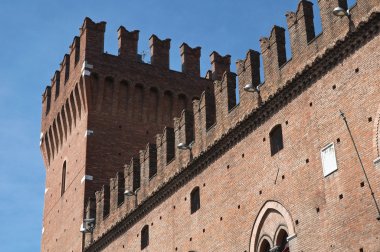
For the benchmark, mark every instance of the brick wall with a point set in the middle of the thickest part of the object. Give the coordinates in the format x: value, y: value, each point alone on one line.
x: 98, y: 112
x: 100, y: 115
x: 236, y: 185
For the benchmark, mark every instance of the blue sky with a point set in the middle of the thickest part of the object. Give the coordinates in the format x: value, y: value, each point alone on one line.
x: 36, y: 34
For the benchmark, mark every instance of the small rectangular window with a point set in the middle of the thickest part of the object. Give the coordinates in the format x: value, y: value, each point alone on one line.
x: 144, y: 237
x: 328, y: 160
x: 195, y: 200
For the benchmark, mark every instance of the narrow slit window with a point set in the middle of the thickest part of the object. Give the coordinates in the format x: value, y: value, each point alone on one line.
x: 195, y: 201
x: 63, y: 183
x: 276, y: 140
x: 144, y: 237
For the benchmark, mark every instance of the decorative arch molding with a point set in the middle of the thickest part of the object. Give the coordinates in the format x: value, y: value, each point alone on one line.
x: 279, y: 229
x: 268, y: 207
x: 261, y: 240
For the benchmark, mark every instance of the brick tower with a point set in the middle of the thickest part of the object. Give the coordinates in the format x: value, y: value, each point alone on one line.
x: 99, y: 110
x: 292, y: 165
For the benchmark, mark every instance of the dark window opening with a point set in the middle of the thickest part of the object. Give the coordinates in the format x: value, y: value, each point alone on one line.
x: 121, y: 190
x: 152, y: 160
x: 144, y: 237
x: 136, y: 174
x: 265, y: 246
x: 276, y: 141
x: 195, y: 200
x: 282, y: 241
x: 63, y: 183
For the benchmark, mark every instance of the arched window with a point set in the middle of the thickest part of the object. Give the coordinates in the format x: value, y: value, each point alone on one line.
x: 265, y: 246
x: 282, y: 241
x: 195, y: 201
x: 276, y: 142
x: 144, y: 237
x: 63, y: 183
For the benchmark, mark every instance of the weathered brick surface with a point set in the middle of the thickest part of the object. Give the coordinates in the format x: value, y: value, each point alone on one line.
x: 99, y: 111
x: 246, y: 194
x: 232, y: 180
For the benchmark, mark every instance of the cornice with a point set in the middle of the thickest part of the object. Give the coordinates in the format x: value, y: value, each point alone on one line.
x: 364, y: 32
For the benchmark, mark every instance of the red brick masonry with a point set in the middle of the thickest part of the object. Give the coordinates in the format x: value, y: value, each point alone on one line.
x: 102, y: 109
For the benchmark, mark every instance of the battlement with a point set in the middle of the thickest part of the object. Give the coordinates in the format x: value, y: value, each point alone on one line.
x: 128, y: 43
x: 87, y: 49
x: 216, y: 114
x: 88, y: 79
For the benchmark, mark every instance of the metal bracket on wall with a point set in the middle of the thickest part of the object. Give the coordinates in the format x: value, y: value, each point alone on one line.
x: 86, y: 177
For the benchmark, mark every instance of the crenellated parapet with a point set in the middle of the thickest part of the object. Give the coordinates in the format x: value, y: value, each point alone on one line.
x: 46, y: 99
x: 128, y: 43
x: 102, y: 203
x: 91, y: 39
x: 117, y: 188
x: 219, y: 65
x: 159, y: 50
x: 165, y: 143
x: 248, y: 70
x: 148, y: 167
x: 56, y: 84
x: 92, y: 81
x: 190, y: 59
x: 225, y: 99
x: 332, y: 26
x: 274, y: 56
x: 217, y: 121
x: 74, y: 54
x: 301, y: 27
x: 132, y: 173
x: 204, y: 119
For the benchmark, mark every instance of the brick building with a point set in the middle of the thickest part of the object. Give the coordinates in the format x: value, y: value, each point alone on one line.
x: 292, y: 165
